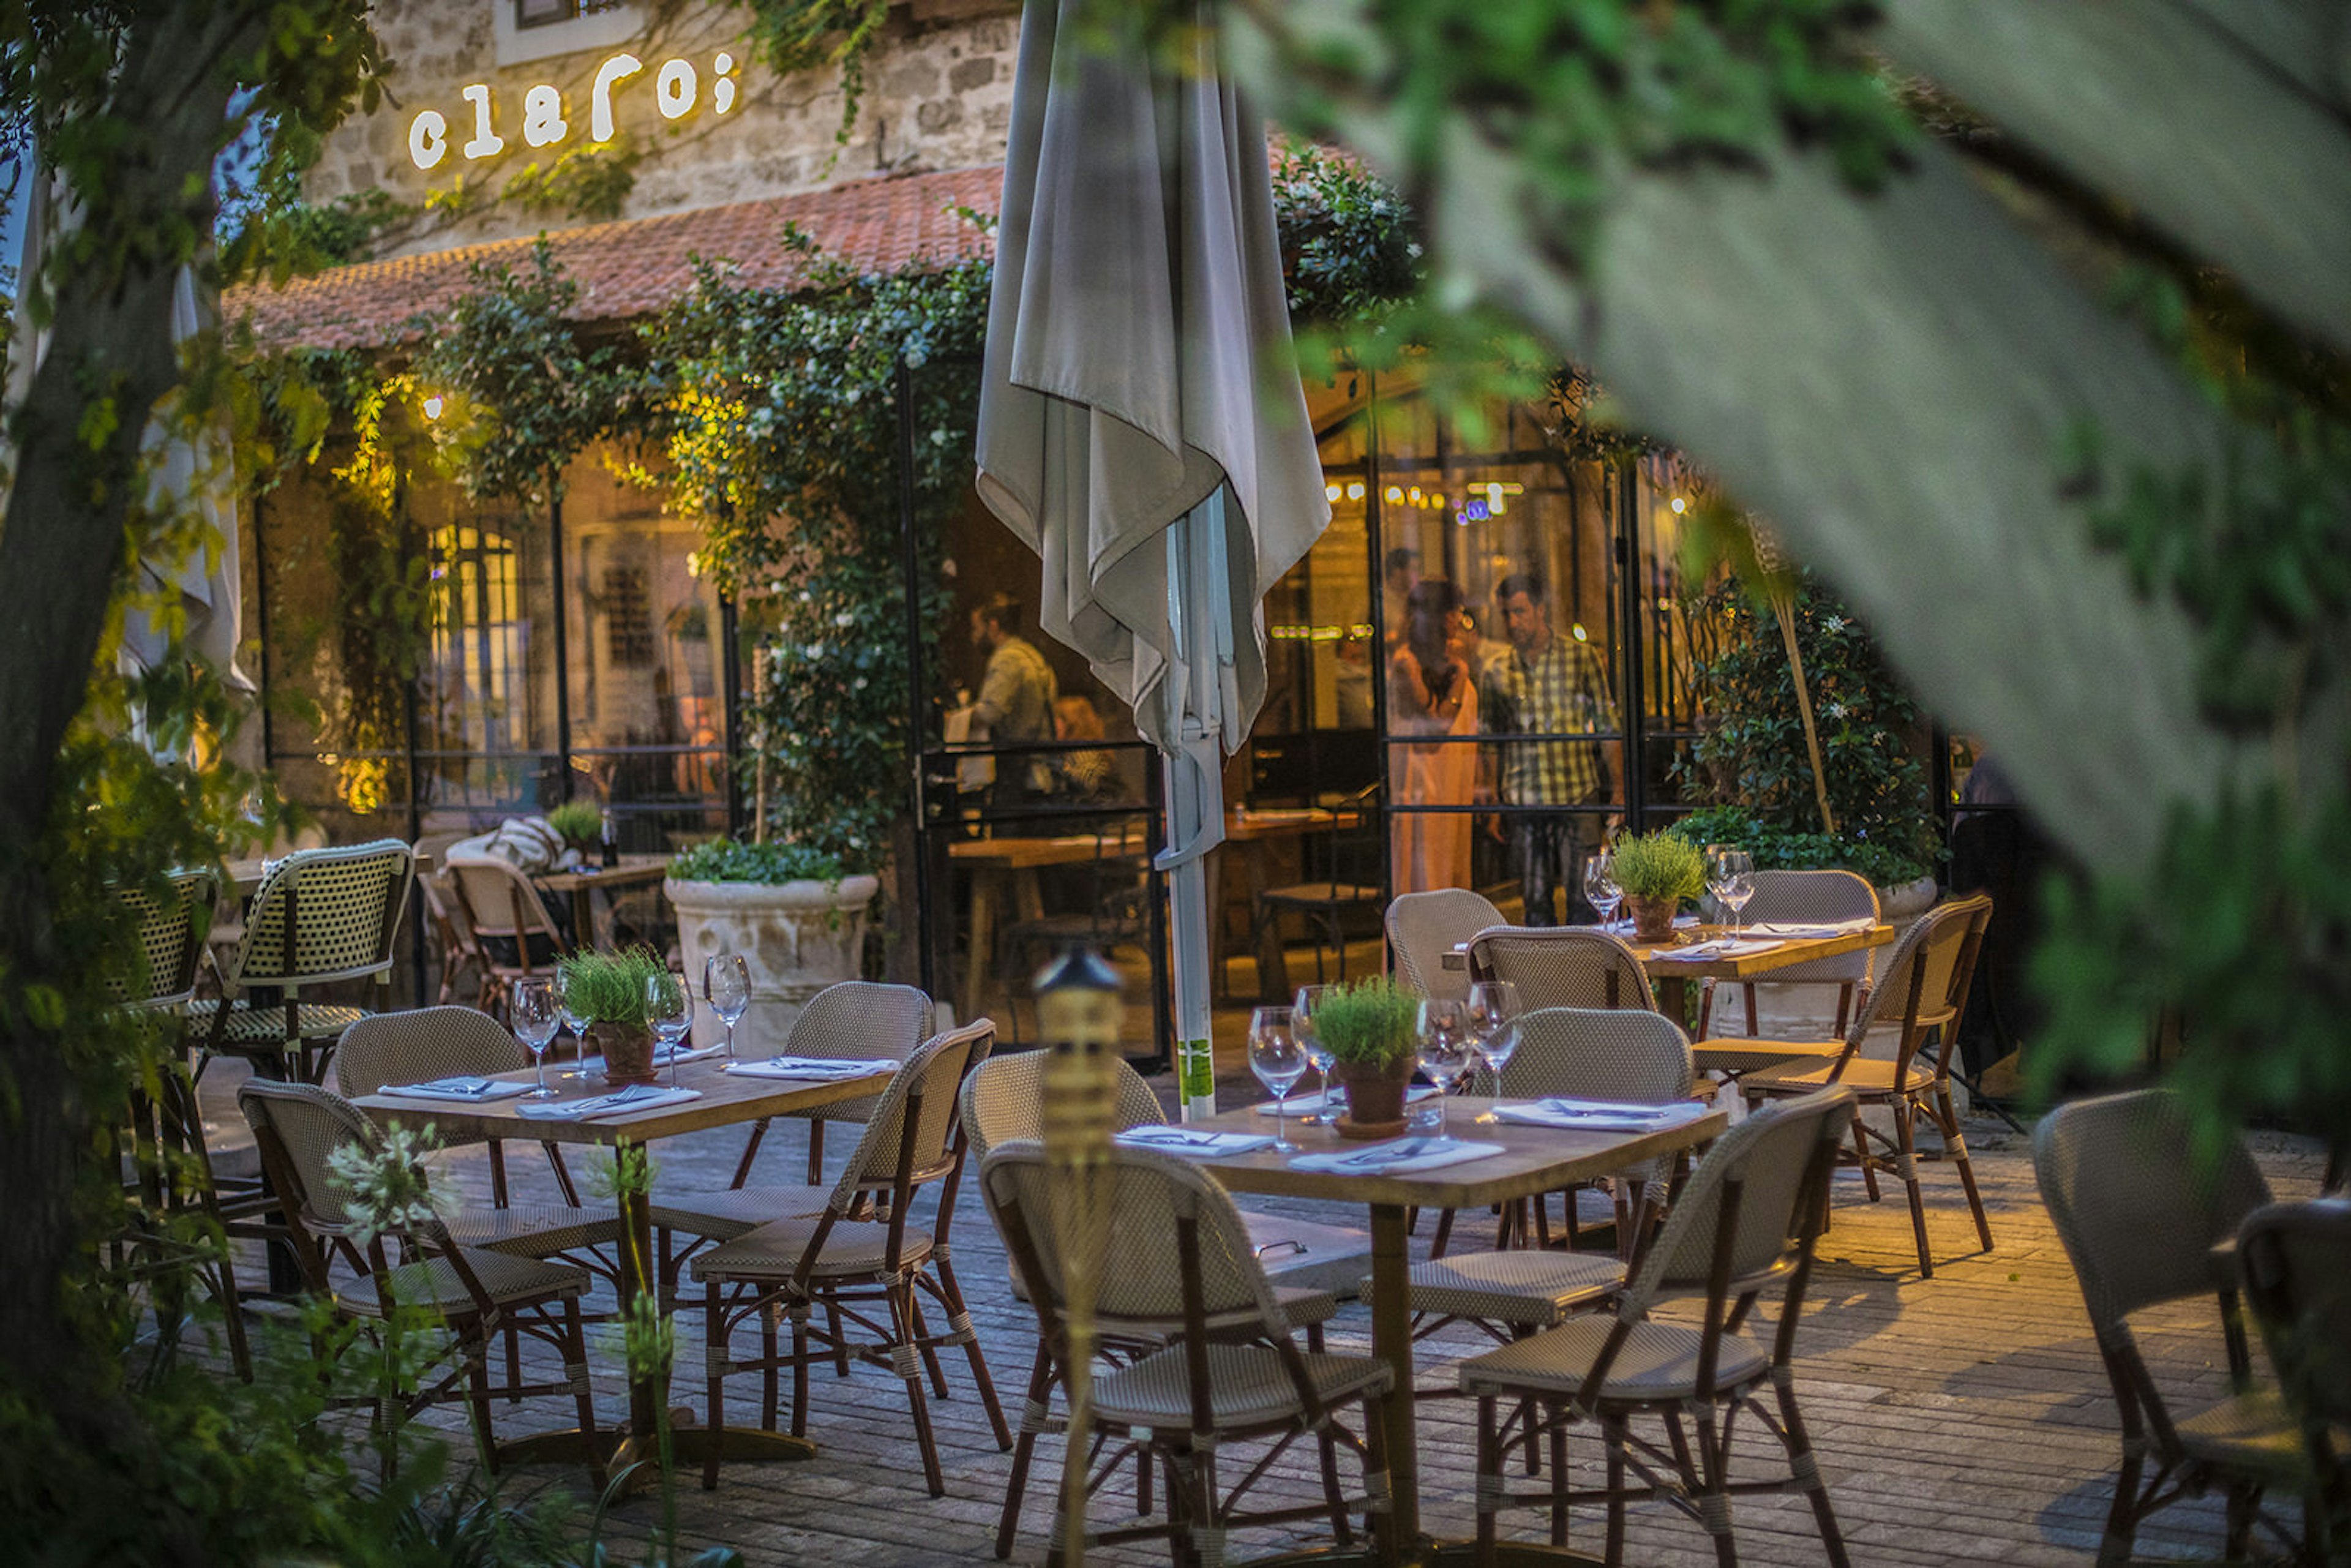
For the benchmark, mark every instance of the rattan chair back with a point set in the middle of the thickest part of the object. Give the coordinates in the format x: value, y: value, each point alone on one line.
x: 419, y: 1046
x: 1924, y: 988
x: 1423, y: 927
x: 322, y: 916
x: 2291, y: 1256
x: 1600, y: 1054
x: 308, y: 1124
x: 1779, y: 1161
x: 169, y: 940
x: 498, y: 900
x: 1562, y: 967
x: 1815, y: 898
x: 1003, y: 1101
x: 910, y: 1138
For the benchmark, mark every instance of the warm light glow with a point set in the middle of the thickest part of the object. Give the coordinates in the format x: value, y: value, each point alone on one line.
x: 543, y: 124
x: 609, y: 76
x: 1680, y: 504
x: 1355, y: 491
x: 1580, y: 634
x: 433, y: 406
x: 1331, y: 491
x: 428, y: 139
x: 1415, y: 495
x: 1396, y: 493
x: 486, y: 141
x: 675, y: 89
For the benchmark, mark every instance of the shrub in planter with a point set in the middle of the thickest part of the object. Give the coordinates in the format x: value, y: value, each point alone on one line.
x: 794, y: 911
x: 1658, y: 871
x: 1370, y: 1029
x: 607, y: 989
x: 582, y: 823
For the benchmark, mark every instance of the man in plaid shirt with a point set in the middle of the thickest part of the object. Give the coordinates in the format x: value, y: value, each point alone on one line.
x: 1549, y: 685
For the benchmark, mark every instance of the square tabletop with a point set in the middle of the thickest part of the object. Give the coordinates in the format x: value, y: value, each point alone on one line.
x: 727, y: 1099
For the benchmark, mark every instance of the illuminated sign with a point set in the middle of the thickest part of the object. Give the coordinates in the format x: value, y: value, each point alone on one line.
x: 677, y: 90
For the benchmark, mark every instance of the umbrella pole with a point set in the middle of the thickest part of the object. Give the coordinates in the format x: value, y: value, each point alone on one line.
x: 1194, y: 692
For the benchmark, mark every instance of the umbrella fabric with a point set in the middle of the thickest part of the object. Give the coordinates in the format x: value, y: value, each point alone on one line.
x: 1138, y: 355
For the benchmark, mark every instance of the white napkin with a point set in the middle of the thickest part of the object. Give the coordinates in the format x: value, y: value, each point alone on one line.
x: 1722, y: 947
x: 662, y: 1056
x: 1309, y: 1105
x: 1396, y: 1156
x: 473, y: 1091
x: 620, y: 1102
x: 1202, y: 1145
x: 805, y: 1067
x: 1599, y: 1115
x: 1822, y: 928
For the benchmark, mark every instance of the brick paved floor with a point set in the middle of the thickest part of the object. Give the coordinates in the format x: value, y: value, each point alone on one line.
x: 1959, y: 1419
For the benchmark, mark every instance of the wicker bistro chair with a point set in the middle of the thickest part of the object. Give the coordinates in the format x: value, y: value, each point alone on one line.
x: 851, y: 1020
x: 455, y: 948
x: 1352, y: 852
x: 2300, y: 1293
x: 1922, y: 996
x: 418, y: 1046
x: 1747, y: 1218
x: 1177, y: 1254
x: 1562, y: 967
x: 1423, y: 927
x: 844, y: 1262
x: 321, y: 916
x: 2139, y: 1216
x: 173, y: 1214
x: 512, y: 931
x: 475, y: 1292
x: 1807, y: 897
x: 1003, y: 1102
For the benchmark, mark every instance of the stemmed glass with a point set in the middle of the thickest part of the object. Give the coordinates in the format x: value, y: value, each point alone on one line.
x: 1600, y: 887
x: 1301, y: 1024
x: 1446, y: 1049
x: 1493, y: 1018
x: 574, y: 1020
x: 727, y: 987
x: 669, y: 1013
x: 1279, y: 1061
x: 1730, y: 877
x: 533, y: 1009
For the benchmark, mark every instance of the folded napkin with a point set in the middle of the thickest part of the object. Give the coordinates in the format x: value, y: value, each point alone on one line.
x: 472, y: 1090
x: 1821, y: 928
x: 1309, y: 1105
x: 1397, y: 1157
x: 1599, y: 1115
x: 620, y: 1102
x: 812, y: 1067
x: 1722, y: 947
x: 662, y: 1056
x: 1203, y: 1146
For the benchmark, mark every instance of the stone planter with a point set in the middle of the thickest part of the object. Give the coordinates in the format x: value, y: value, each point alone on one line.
x: 1376, y: 1095
x: 628, y: 1052
x: 796, y: 938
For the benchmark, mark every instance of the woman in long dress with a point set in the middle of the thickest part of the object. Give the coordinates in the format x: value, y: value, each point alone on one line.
x: 1431, y: 690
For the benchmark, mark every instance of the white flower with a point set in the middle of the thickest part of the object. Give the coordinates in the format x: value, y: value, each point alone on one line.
x: 814, y: 649
x: 1834, y: 623
x: 1834, y: 710
x: 844, y: 619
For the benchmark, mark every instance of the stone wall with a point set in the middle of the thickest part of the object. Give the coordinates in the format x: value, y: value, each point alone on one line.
x: 938, y: 96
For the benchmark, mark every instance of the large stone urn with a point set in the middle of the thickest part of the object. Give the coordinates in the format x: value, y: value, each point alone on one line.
x: 796, y: 938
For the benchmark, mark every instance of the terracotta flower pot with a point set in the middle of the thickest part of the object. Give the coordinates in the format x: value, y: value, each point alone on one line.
x: 628, y: 1052
x: 1653, y: 917
x: 1374, y: 1097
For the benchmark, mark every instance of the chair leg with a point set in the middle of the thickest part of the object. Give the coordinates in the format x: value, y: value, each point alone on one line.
x: 1714, y: 1494
x: 713, y: 1339
x: 1444, y: 1234
x: 1905, y: 1136
x: 2122, y: 1518
x: 1558, y: 1475
x: 1955, y: 1143
x: 1035, y: 1413
x: 1861, y: 1156
x: 1806, y: 1469
x: 475, y: 1349
x: 575, y: 1372
x: 1615, y: 1550
x: 800, y: 1311
x: 959, y: 1325
x: 909, y: 1369
x: 1490, y: 1477
x: 751, y: 1150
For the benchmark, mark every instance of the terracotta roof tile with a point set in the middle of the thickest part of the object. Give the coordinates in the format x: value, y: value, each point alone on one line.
x: 633, y: 267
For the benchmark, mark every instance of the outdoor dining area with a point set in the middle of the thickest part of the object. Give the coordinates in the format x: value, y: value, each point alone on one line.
x: 1531, y: 1274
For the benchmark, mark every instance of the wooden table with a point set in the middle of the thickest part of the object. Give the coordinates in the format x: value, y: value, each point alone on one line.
x: 580, y: 886
x: 727, y: 1100
x: 245, y: 875
x: 1004, y: 874
x: 1534, y: 1160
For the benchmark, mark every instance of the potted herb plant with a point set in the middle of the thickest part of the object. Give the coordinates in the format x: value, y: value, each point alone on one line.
x: 582, y: 823
x: 607, y: 989
x: 1369, y: 1028
x: 796, y: 914
x: 1658, y: 871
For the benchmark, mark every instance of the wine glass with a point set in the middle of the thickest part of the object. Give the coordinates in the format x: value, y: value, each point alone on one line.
x: 1738, y: 884
x: 727, y: 987
x: 1446, y: 1049
x: 1493, y: 1019
x: 1718, y: 874
x: 669, y: 1013
x: 533, y: 1009
x: 1279, y: 1061
x: 575, y: 1018
x: 1600, y: 886
x: 1301, y: 1024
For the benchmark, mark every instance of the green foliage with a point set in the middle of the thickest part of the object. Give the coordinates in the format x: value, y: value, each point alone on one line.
x: 589, y: 184
x: 1781, y: 848
x: 1658, y: 865
x: 725, y: 860
x: 783, y: 444
x: 1751, y: 749
x: 391, y: 1186
x: 1351, y: 247
x: 580, y: 821
x: 522, y: 394
x: 810, y: 35
x: 1371, y: 1021
x: 285, y: 236
x: 608, y: 986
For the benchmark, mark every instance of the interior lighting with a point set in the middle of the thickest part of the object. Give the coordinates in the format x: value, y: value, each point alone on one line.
x: 1395, y: 493
x: 1331, y: 491
x: 1494, y: 494
x: 1415, y: 495
x: 1680, y: 504
x: 1580, y: 634
x: 1355, y: 491
x: 433, y: 406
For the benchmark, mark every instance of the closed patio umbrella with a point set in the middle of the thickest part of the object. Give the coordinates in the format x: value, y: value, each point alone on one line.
x: 1142, y: 425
